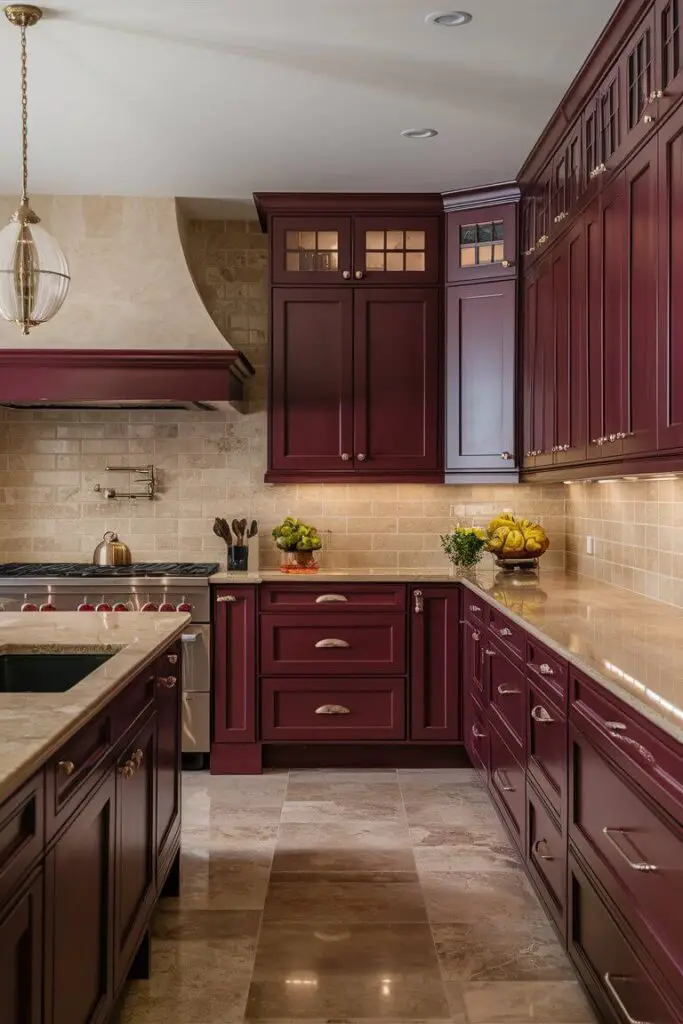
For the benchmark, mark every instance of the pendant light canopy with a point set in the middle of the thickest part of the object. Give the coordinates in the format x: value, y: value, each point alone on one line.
x: 34, y: 274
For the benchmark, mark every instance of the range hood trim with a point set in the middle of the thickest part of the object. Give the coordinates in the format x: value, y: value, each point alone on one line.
x: 43, y: 376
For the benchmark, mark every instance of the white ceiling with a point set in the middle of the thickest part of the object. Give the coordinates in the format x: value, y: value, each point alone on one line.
x: 220, y: 98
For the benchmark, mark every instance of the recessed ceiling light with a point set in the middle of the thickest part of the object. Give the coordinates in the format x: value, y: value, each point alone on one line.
x: 419, y: 133
x: 448, y: 19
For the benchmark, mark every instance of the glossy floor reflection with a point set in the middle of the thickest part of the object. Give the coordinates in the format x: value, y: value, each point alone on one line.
x: 351, y: 896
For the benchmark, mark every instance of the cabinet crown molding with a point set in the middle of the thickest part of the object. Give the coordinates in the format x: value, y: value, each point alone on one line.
x: 476, y: 198
x: 278, y: 204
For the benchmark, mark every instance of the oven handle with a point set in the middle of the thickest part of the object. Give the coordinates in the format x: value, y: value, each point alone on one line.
x: 189, y: 638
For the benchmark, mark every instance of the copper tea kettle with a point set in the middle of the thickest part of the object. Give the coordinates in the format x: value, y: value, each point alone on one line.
x: 111, y: 551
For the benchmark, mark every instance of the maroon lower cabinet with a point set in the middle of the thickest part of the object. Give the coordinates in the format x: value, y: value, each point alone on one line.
x: 79, y: 914
x: 546, y: 856
x: 621, y: 978
x: 547, y: 745
x: 632, y: 846
x: 480, y: 382
x: 311, y: 388
x: 169, y: 742
x: 508, y: 785
x: 507, y: 698
x: 333, y: 709
x: 234, y: 666
x: 476, y: 730
x: 21, y: 956
x: 473, y: 643
x: 135, y: 843
x: 434, y: 663
x: 397, y: 382
x: 313, y: 643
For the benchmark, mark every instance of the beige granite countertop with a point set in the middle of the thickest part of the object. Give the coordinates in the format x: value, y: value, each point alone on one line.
x: 34, y: 725
x: 630, y: 644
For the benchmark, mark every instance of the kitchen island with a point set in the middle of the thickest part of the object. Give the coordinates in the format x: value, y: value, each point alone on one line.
x: 89, y: 806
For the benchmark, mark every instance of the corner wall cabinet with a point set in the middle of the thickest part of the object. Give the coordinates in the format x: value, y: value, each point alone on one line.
x: 356, y: 349
x: 86, y: 848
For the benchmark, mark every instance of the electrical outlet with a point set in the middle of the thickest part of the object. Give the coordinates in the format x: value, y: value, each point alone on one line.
x: 590, y: 545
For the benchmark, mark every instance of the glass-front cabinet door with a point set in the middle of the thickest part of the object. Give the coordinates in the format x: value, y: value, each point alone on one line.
x: 396, y: 250
x: 482, y: 243
x: 311, y: 250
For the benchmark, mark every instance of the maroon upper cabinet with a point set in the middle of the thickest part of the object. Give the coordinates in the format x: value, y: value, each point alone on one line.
x: 311, y: 388
x: 570, y: 348
x: 639, y: 73
x: 544, y: 365
x: 568, y: 180
x: 529, y: 368
x: 400, y: 250
x: 481, y: 243
x: 434, y: 663
x: 310, y: 250
x: 669, y: 35
x: 670, y: 341
x: 396, y: 361
x: 603, y: 130
x: 481, y: 335
x: 234, y: 672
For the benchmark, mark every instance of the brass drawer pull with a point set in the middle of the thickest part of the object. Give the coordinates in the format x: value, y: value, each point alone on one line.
x: 67, y: 767
x: 329, y: 598
x: 506, y: 691
x: 226, y: 599
x: 636, y: 865
x: 332, y: 642
x: 504, y: 781
x: 475, y: 608
x: 617, y: 730
x: 539, y: 714
x: 537, y: 849
x: 476, y: 635
x: 167, y: 681
x: 505, y: 631
x: 419, y: 601
x: 478, y: 734
x: 546, y: 670
x: 332, y: 709
x: 616, y: 998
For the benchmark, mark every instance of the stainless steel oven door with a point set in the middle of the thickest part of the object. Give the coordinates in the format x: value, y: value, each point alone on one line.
x: 196, y: 641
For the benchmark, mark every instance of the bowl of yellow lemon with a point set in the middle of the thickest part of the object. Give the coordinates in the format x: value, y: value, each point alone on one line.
x: 516, y: 543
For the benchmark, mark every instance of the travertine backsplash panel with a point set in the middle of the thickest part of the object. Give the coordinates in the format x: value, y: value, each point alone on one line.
x: 212, y: 464
x: 638, y: 531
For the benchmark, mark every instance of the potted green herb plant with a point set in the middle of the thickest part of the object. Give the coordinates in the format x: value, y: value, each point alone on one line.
x: 464, y: 545
x: 298, y: 544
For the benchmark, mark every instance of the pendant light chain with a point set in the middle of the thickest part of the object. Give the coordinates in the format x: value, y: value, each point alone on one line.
x: 24, y: 115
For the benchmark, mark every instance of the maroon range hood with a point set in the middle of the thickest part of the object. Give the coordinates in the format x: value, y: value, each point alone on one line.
x: 122, y: 378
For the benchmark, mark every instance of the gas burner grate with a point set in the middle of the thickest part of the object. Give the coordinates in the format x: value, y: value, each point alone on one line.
x: 71, y: 570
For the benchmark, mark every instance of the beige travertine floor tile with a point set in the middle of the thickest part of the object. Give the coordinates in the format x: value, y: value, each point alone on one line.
x: 500, y: 949
x: 395, y: 897
x: 517, y: 1002
x: 465, y: 896
x: 472, y: 852
x: 346, y: 846
x: 331, y: 971
x: 217, y: 879
x: 342, y: 807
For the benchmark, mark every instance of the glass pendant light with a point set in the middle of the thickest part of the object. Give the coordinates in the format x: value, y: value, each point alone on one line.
x: 34, y: 274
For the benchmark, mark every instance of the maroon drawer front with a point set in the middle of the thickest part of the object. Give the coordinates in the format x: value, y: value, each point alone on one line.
x: 636, y: 852
x: 331, y: 597
x: 474, y: 643
x: 654, y: 760
x: 508, y: 633
x: 551, y: 668
x: 507, y: 695
x: 508, y: 784
x: 546, y: 746
x: 139, y: 696
x: 76, y: 769
x: 316, y: 643
x: 547, y: 856
x: 623, y: 981
x: 474, y: 608
x: 476, y: 736
x: 333, y: 709
x: 22, y: 829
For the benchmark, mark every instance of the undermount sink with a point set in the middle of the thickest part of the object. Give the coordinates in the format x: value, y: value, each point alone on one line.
x: 46, y: 673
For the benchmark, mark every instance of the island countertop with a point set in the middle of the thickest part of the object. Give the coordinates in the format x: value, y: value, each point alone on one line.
x: 34, y: 725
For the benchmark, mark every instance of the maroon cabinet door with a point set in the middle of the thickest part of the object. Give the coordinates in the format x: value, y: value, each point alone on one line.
x: 669, y: 28
x: 571, y: 351
x: 640, y: 424
x: 79, y: 914
x: 396, y: 370
x: 547, y: 746
x: 21, y: 957
x: 169, y: 740
x: 670, y: 217
x: 396, y: 250
x: 507, y: 699
x: 311, y: 426
x: 435, y: 664
x: 480, y: 375
x: 529, y: 369
x: 476, y: 732
x: 544, y: 373
x: 481, y: 244
x: 234, y: 673
x: 638, y: 70
x: 508, y: 785
x: 310, y: 250
x: 135, y: 844
x: 473, y: 661
x: 546, y: 856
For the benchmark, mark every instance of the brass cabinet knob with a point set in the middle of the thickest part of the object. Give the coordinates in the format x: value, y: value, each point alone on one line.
x: 559, y: 217
x: 167, y: 681
x: 172, y: 659
x: 345, y: 457
x: 648, y: 119
x: 655, y: 95
x: 128, y: 769
x: 359, y: 275
x: 542, y: 240
x: 505, y: 456
x: 529, y: 251
x: 67, y: 767
x: 361, y: 456
x: 137, y: 757
x: 346, y: 274
x: 597, y: 171
x: 507, y: 263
